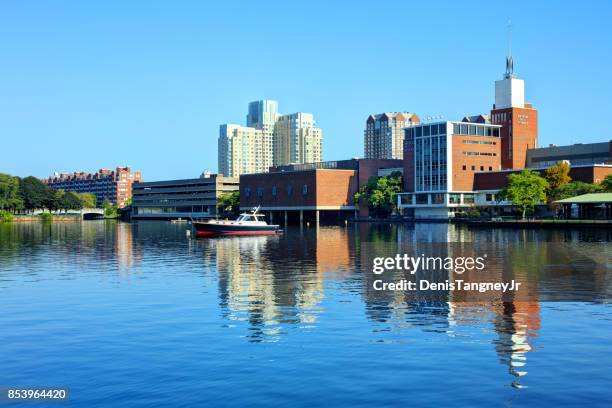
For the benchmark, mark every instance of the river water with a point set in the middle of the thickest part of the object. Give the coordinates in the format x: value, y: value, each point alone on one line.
x: 142, y: 315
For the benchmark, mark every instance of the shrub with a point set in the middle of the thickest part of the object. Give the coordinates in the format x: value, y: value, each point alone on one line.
x: 6, y: 216
x: 45, y: 216
x: 472, y: 212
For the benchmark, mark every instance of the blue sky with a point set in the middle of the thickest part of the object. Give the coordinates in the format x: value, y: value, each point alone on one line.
x: 85, y: 85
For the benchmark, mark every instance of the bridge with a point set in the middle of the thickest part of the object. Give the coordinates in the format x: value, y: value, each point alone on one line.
x: 91, y: 213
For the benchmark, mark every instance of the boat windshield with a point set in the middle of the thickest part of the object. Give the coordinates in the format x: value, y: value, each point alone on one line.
x: 246, y: 218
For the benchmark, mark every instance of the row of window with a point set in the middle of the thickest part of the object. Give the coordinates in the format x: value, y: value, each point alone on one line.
x: 437, y: 198
x: 479, y: 154
x: 274, y: 191
x: 482, y: 168
x: 426, y: 130
x: 500, y: 117
x: 475, y: 130
x: 166, y: 210
x: 480, y: 142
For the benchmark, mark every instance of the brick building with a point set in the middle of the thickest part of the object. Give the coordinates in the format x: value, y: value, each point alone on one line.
x: 114, y: 185
x: 519, y: 120
x: 441, y: 160
x: 312, y: 191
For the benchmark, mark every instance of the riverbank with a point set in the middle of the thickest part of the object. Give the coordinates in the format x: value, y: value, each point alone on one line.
x: 535, y: 223
x: 494, y: 224
x: 37, y: 218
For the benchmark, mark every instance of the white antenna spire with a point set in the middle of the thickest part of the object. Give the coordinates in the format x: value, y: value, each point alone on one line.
x: 509, y: 60
x: 509, y: 37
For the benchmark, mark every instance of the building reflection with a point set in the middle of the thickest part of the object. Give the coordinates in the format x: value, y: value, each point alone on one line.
x: 272, y: 281
x: 127, y: 253
x: 278, y: 283
x: 515, y: 317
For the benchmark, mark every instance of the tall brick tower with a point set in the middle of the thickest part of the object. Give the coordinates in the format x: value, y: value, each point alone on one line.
x: 519, y: 119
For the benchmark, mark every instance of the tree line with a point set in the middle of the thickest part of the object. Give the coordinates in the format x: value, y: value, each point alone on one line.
x: 24, y: 195
x: 530, y: 188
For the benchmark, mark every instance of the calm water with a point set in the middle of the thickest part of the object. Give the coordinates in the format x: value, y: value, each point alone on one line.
x: 139, y: 315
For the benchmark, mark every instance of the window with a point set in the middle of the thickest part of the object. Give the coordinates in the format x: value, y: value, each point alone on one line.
x: 289, y: 190
x: 490, y: 168
x: 247, y: 192
x: 437, y: 198
x: 456, y: 129
x: 426, y: 131
x: 260, y: 191
x: 454, y: 198
x: 481, y: 168
x: 489, y: 197
x: 473, y: 168
x: 464, y: 167
x: 274, y: 192
x: 468, y: 199
x: 305, y: 189
x: 421, y: 199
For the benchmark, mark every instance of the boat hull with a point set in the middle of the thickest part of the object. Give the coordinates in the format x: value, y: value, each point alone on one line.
x: 208, y: 229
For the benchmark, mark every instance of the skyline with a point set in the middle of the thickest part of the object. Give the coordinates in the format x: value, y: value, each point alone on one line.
x: 160, y: 80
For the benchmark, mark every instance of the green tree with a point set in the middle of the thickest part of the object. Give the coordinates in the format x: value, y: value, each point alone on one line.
x: 110, y: 210
x: 10, y: 195
x: 573, y: 189
x: 35, y: 193
x: 557, y: 175
x: 71, y: 201
x: 525, y: 190
x: 606, y: 184
x: 228, y: 203
x: 379, y: 194
x: 88, y: 200
x: 54, y: 199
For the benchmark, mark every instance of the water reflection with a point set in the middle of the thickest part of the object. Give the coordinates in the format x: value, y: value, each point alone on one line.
x: 273, y: 285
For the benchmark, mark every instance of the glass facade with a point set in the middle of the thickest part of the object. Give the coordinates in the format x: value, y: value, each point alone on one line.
x: 430, y: 156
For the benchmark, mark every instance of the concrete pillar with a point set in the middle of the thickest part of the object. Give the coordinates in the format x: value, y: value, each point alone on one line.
x: 271, y: 217
x: 285, y: 218
x: 317, y: 217
x: 301, y: 217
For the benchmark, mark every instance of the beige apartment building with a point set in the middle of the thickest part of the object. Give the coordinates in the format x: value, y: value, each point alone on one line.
x: 269, y: 138
x: 244, y: 150
x: 297, y: 140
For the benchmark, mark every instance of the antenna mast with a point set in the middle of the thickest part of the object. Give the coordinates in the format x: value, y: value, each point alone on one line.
x: 509, y: 60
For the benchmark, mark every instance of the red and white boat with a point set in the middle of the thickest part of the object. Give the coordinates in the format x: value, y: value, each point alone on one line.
x: 249, y: 223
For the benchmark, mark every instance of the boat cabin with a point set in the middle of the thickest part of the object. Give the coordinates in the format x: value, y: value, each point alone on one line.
x: 250, y: 217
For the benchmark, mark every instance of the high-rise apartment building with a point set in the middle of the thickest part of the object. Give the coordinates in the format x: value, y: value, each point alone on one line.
x: 296, y: 139
x: 384, y: 135
x: 114, y: 185
x: 269, y: 138
x: 243, y: 150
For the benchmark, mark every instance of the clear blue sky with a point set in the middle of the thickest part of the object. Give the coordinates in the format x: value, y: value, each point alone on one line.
x: 85, y: 85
